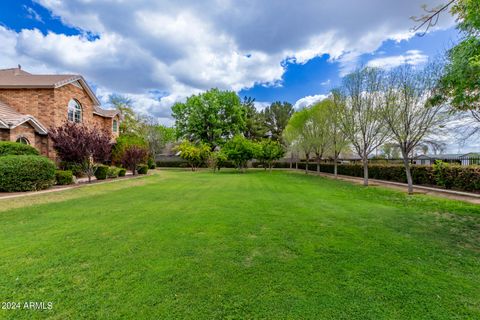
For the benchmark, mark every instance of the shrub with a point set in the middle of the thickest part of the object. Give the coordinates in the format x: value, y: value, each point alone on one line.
x: 122, y: 172
x: 101, y: 172
x: 142, y: 169
x: 63, y: 177
x: 8, y: 148
x: 81, y: 144
x: 133, y: 156
x: 76, y: 168
x: 196, y: 154
x: 151, y: 163
x: 26, y: 173
x: 113, y: 172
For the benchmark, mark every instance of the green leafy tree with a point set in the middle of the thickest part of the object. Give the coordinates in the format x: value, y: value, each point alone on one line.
x: 216, y: 160
x: 276, y: 118
x: 300, y: 132
x: 460, y: 85
x: 131, y: 122
x: 269, y: 151
x: 254, y: 122
x: 240, y: 150
x: 406, y: 115
x: 211, y: 117
x: 196, y: 154
x: 124, y: 141
x: 321, y: 138
x: 339, y: 140
x: 362, y: 119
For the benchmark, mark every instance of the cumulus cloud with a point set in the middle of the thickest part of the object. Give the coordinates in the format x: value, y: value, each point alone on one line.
x: 411, y: 57
x: 309, y: 100
x: 183, y: 48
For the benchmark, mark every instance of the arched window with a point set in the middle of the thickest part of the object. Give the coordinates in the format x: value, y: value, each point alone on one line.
x: 115, y: 125
x: 23, y: 140
x: 74, y: 111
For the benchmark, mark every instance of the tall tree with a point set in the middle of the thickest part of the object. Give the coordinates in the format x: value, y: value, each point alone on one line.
x: 254, y: 120
x: 276, y: 118
x: 131, y: 122
x: 210, y: 117
x: 339, y: 140
x: 156, y: 135
x: 300, y: 132
x: 321, y: 139
x: 362, y: 120
x: 460, y: 86
x: 405, y: 111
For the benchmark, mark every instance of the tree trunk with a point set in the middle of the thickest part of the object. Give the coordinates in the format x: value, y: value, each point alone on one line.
x: 408, y: 172
x: 335, y: 165
x: 296, y: 165
x: 365, y: 172
x: 318, y: 166
x: 306, y: 164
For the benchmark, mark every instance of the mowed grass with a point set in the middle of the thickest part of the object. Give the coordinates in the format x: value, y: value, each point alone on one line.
x: 178, y: 245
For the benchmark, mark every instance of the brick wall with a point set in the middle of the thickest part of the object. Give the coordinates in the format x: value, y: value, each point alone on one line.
x: 50, y: 107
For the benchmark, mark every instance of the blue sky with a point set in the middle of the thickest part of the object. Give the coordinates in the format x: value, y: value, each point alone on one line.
x: 319, y: 75
x: 160, y: 52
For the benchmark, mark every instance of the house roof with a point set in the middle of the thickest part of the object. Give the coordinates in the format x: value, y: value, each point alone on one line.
x: 16, y: 78
x: 10, y: 119
x: 448, y: 156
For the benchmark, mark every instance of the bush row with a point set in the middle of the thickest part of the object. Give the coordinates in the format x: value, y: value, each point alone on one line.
x: 464, y: 178
x: 184, y: 164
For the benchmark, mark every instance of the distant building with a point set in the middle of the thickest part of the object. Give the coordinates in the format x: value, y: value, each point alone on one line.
x: 464, y: 159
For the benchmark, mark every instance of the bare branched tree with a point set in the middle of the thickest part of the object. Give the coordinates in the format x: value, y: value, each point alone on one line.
x: 430, y: 18
x: 406, y: 110
x: 362, y: 121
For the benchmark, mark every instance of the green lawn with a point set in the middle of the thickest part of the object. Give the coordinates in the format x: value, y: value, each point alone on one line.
x: 178, y: 244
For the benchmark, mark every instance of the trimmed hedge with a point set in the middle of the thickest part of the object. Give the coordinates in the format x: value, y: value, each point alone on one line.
x: 26, y: 173
x: 113, y: 172
x: 76, y: 168
x: 184, y: 164
x: 63, y: 177
x: 462, y: 178
x: 122, y: 172
x: 8, y: 148
x: 101, y: 172
x: 142, y: 169
x: 151, y: 164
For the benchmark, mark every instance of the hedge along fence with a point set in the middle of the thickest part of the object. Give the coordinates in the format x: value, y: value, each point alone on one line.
x: 463, y: 178
x: 184, y: 164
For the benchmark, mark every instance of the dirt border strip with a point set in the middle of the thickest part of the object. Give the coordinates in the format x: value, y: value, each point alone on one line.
x: 443, y: 193
x: 12, y: 195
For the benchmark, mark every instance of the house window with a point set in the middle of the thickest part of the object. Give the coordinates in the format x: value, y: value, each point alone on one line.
x: 115, y: 126
x: 23, y: 140
x: 74, y: 111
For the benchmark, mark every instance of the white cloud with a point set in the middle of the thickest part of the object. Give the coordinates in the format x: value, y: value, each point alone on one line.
x: 411, y: 57
x: 32, y: 14
x: 183, y: 48
x: 308, y: 101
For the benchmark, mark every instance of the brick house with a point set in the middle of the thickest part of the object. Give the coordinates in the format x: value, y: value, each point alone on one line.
x: 31, y: 104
